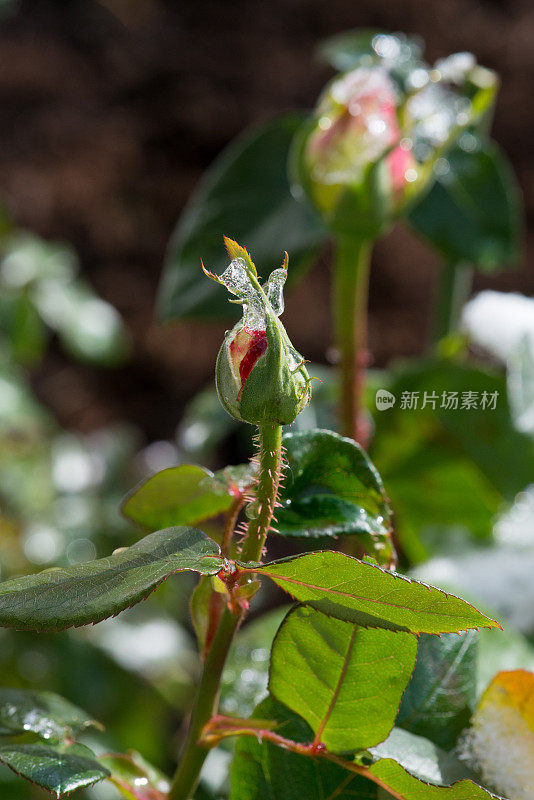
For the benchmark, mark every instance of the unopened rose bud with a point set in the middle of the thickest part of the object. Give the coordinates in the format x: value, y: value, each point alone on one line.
x: 356, y: 124
x: 352, y: 164
x: 371, y: 147
x: 261, y: 379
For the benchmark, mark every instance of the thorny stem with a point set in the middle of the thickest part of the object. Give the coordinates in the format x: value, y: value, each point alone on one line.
x: 351, y: 286
x: 194, y: 753
x: 270, y: 462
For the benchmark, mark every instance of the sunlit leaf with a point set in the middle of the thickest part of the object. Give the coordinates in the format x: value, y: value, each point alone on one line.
x: 44, y: 713
x: 59, y: 770
x: 264, y: 770
x: 331, y: 488
x: 182, y: 495
x: 345, y: 681
x: 60, y: 598
x: 359, y: 592
x: 403, y: 785
x: 497, y: 578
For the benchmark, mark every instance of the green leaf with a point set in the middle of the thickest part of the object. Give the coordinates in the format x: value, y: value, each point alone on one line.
x: 261, y: 771
x: 246, y: 196
x: 345, y: 681
x: 21, y: 416
x: 88, y: 327
x: 135, y: 777
x: 359, y: 592
x: 441, y: 696
x: 199, y: 609
x: 473, y: 213
x: 361, y: 48
x: 183, y: 495
x: 401, y: 784
x: 503, y: 454
x: 421, y: 758
x: 331, y: 487
x: 440, y: 496
x: 58, y: 770
x: 44, y: 713
x: 267, y: 771
x: 26, y: 331
x: 61, y: 598
x: 448, y: 467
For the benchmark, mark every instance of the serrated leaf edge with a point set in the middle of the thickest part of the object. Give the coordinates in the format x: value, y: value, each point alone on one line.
x: 395, y: 575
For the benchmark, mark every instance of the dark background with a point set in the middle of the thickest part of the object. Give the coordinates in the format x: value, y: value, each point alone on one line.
x: 109, y: 113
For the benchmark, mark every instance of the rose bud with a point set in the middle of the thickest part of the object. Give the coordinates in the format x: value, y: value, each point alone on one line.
x: 260, y: 377
x: 351, y: 162
x: 374, y: 145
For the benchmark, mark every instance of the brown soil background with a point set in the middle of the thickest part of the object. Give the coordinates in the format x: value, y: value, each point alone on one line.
x: 109, y: 113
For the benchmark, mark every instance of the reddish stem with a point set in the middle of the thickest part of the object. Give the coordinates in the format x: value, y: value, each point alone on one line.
x: 351, y: 282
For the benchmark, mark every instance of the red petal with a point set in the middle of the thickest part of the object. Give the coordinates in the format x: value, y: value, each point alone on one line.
x: 247, y: 353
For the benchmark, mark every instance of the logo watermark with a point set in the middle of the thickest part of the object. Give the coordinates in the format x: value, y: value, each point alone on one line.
x: 450, y: 401
x: 384, y: 399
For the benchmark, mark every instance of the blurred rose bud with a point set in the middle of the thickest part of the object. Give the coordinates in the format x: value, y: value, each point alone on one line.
x: 357, y: 124
x: 261, y: 379
x: 372, y: 143
x: 354, y: 130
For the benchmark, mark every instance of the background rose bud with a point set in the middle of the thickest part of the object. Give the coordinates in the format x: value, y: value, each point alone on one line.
x: 351, y: 161
x: 371, y: 146
x: 357, y: 123
x: 261, y: 379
